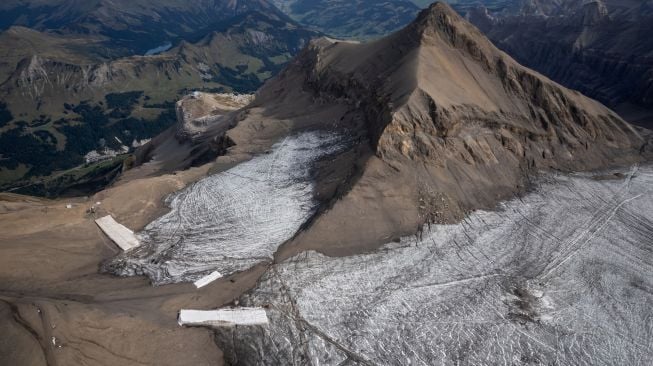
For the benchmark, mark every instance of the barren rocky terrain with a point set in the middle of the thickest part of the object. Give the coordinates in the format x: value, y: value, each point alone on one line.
x: 596, y: 47
x: 421, y: 199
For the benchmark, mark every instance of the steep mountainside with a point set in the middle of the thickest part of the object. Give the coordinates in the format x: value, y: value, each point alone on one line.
x: 131, y: 26
x: 382, y: 148
x: 597, y: 47
x: 600, y: 48
x: 63, y: 97
x: 453, y: 124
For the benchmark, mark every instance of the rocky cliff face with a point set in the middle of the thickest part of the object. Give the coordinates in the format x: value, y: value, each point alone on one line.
x: 44, y: 79
x: 198, y: 112
x: 471, y: 87
x: 595, y: 47
x: 453, y: 125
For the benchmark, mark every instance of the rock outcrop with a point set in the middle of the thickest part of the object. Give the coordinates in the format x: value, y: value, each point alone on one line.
x: 453, y: 125
x: 197, y: 112
x: 595, y: 47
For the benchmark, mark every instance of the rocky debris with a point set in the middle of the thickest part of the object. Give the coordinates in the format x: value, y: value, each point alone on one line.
x: 198, y: 111
x: 33, y: 78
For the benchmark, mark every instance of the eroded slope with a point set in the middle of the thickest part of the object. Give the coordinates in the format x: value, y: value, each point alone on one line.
x: 454, y: 125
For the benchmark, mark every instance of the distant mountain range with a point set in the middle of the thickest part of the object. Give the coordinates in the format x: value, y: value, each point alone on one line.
x: 80, y: 76
x: 130, y: 26
x: 358, y: 19
x: 74, y: 77
x: 602, y: 48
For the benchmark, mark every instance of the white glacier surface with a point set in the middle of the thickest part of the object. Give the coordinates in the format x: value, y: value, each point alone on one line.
x: 562, y: 276
x: 233, y: 220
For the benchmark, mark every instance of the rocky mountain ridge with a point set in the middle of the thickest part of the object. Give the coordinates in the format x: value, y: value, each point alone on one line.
x: 131, y: 27
x: 545, y: 109
x: 446, y: 114
x: 596, y: 47
x: 382, y: 148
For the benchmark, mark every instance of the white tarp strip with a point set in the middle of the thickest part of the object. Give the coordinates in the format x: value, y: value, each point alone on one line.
x: 121, y: 235
x: 224, y: 317
x: 207, y: 279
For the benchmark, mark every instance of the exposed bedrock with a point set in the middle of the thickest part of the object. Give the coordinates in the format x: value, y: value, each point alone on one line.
x: 454, y: 125
x: 599, y: 74
x: 595, y: 47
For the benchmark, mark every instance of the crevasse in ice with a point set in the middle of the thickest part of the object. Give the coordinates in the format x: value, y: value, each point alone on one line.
x: 233, y: 220
x: 562, y: 276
